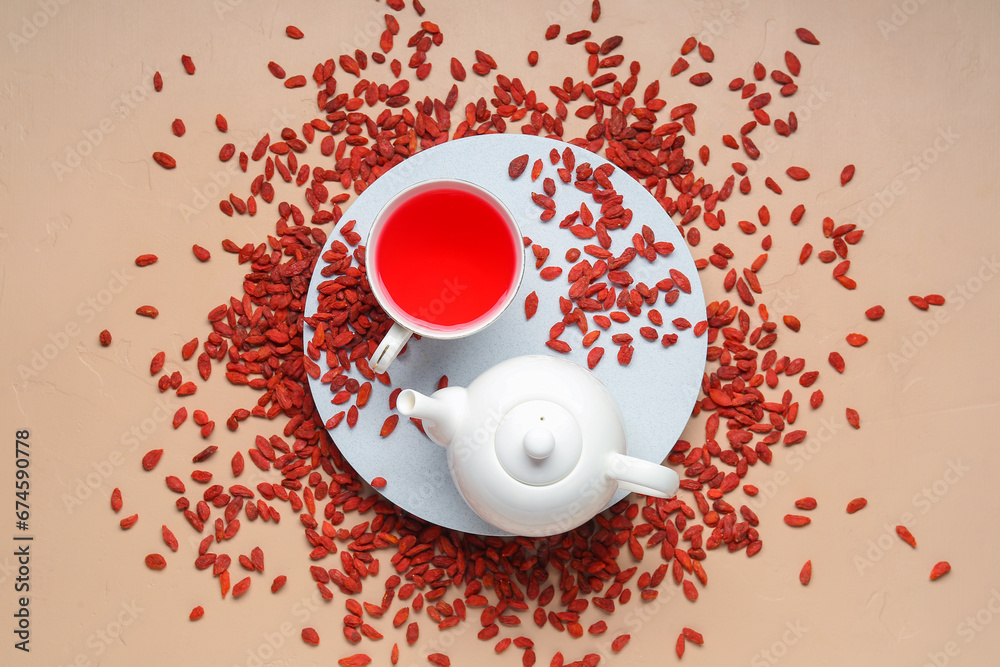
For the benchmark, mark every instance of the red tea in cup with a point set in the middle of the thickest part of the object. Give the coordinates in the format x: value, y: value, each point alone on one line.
x: 445, y: 258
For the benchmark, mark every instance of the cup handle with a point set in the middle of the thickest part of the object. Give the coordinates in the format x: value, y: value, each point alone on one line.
x: 391, y: 345
x: 641, y: 476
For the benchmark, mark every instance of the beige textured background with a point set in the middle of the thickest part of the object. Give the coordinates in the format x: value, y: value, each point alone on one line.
x: 906, y: 90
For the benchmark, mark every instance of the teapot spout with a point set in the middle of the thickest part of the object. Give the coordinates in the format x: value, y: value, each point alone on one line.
x: 439, y: 413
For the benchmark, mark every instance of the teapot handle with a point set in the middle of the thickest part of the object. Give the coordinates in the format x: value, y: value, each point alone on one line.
x: 641, y: 476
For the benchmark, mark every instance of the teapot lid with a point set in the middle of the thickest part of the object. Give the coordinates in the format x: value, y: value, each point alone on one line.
x: 538, y: 442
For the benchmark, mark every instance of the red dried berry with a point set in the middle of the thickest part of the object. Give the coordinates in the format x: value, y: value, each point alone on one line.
x: 856, y: 339
x: 116, y: 499
x: 807, y: 503
x: 151, y: 458
x: 797, y: 520
x: 164, y: 160
x: 875, y: 313
x: 797, y: 173
x: 389, y: 425
x: 847, y: 174
x: 241, y: 587
x: 530, y: 305
x: 934, y: 299
x: 792, y: 63
x: 155, y: 562
x: 458, y: 73
x: 517, y: 166
x: 806, y: 36
x: 837, y: 361
x: 941, y: 569
x: 169, y: 539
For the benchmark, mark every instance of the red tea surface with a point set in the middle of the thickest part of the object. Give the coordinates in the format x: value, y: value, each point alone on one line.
x: 447, y: 258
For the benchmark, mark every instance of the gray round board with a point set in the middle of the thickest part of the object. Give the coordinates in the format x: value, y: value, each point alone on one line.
x: 656, y: 391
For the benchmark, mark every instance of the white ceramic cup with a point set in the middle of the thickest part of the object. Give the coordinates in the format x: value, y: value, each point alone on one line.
x: 404, y: 325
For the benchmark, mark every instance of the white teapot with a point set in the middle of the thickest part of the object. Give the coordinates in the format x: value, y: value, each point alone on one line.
x: 536, y: 445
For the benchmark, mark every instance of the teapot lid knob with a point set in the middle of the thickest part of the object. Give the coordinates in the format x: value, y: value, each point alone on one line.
x: 538, y: 442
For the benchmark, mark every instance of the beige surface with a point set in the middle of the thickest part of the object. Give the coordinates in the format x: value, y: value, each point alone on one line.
x: 908, y: 91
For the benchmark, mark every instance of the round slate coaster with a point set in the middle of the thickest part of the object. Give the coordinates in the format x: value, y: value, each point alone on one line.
x: 656, y: 391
